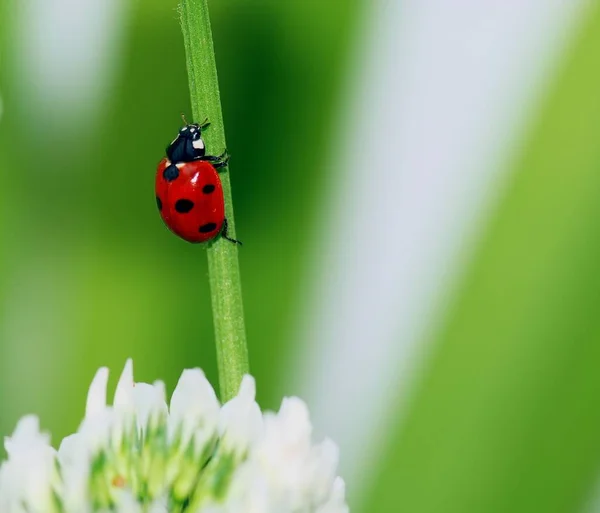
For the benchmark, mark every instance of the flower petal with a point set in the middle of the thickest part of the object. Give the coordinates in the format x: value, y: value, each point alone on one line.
x: 149, y: 402
x: 194, y: 405
x: 124, y: 392
x: 337, y: 501
x: 96, y: 398
x: 240, y: 421
x: 29, y: 475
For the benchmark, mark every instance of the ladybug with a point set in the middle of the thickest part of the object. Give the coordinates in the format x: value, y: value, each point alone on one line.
x: 189, y: 194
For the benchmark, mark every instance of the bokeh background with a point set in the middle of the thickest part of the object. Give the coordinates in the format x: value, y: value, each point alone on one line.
x: 417, y: 185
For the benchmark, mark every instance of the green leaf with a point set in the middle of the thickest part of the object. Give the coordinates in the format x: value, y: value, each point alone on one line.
x: 506, y: 415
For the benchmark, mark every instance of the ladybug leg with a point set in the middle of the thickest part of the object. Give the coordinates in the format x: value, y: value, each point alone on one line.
x: 224, y: 234
x: 218, y: 162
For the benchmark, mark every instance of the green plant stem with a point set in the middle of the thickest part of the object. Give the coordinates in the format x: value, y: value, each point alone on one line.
x: 223, y: 267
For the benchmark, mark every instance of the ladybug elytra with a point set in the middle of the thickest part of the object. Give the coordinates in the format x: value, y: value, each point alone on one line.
x: 189, y: 194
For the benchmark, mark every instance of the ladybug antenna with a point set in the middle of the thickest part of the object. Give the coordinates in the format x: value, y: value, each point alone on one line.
x: 184, y: 120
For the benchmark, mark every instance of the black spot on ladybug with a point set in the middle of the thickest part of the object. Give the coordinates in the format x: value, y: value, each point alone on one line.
x: 207, y: 228
x: 207, y: 189
x: 170, y: 173
x: 183, y: 206
x: 158, y: 203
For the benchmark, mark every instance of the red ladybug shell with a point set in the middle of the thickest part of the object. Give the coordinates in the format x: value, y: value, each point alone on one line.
x: 191, y: 205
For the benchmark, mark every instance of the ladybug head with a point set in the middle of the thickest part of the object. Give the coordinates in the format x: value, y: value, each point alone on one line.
x: 188, y: 145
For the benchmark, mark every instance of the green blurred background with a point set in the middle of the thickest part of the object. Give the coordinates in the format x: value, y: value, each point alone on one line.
x: 421, y: 259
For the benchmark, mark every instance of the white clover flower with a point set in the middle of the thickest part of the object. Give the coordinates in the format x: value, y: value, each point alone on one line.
x: 195, y: 456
